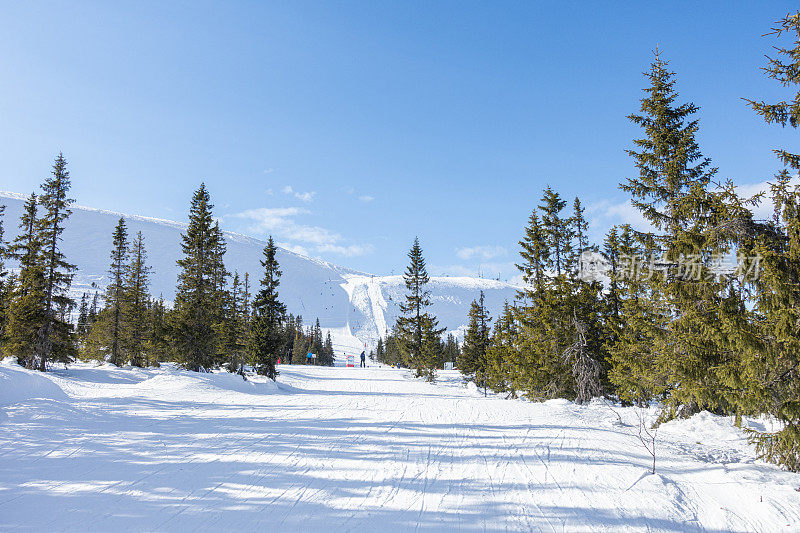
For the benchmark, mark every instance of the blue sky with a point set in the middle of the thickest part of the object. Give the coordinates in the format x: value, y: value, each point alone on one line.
x: 347, y: 128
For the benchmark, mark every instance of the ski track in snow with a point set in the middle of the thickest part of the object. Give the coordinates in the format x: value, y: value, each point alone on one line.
x: 349, y: 449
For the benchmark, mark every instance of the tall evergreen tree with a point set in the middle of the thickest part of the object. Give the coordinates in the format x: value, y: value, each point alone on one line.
x: 580, y: 226
x: 770, y: 374
x: 5, y: 289
x: 672, y: 191
x: 327, y: 350
x: 417, y: 330
x: 55, y: 336
x: 637, y: 319
x: 502, y: 353
x: 221, y: 296
x: 135, y: 305
x: 380, y: 351
x: 27, y: 310
x: 232, y: 332
x: 83, y: 319
x: 318, y: 343
x: 115, y: 290
x: 473, y: 362
x: 94, y: 308
x: 557, y: 232
x: 268, y: 315
x: 157, y: 346
x: 546, y: 317
x: 300, y: 346
x: 193, y: 316
x: 535, y: 254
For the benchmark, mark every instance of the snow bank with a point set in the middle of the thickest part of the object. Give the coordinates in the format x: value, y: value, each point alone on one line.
x: 18, y: 384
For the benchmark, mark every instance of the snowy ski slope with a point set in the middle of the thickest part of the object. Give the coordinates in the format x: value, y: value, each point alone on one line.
x: 357, y: 308
x: 349, y: 449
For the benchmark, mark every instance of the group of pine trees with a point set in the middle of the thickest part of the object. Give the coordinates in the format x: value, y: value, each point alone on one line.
x: 667, y: 325
x: 214, y: 321
x: 35, y: 324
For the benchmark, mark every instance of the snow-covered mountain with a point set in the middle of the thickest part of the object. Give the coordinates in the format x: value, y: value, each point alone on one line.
x: 356, y: 307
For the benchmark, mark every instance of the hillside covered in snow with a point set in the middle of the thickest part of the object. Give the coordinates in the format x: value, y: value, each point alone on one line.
x: 356, y: 307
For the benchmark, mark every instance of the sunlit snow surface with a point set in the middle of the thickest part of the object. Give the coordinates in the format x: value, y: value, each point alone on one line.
x: 348, y: 449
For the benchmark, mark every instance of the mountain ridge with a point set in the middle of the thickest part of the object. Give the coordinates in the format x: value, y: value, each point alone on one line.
x: 356, y: 307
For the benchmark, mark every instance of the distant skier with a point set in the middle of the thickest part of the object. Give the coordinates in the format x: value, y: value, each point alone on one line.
x: 363, y: 359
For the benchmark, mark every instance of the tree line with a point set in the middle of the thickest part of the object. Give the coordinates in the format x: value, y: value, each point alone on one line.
x: 215, y: 320
x: 666, y: 325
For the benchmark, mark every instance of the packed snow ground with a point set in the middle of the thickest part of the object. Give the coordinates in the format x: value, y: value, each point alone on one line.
x: 349, y: 449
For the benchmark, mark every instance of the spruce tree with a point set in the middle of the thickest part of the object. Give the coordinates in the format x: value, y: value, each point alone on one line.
x: 6, y: 295
x: 327, y: 350
x: 394, y: 352
x: 55, y: 336
x: 318, y: 343
x: 476, y: 342
x: 557, y: 232
x: 417, y: 332
x: 452, y: 353
x: 27, y: 311
x: 268, y: 315
x: 769, y: 376
x: 535, y: 254
x: 636, y: 320
x: 135, y: 305
x: 546, y: 316
x: 194, y: 313
x: 300, y: 345
x: 83, y: 318
x: 502, y: 353
x: 380, y: 352
x: 4, y: 282
x: 157, y: 344
x: 580, y: 226
x: 94, y: 308
x: 232, y: 331
x: 115, y: 290
x: 220, y: 296
x: 672, y: 193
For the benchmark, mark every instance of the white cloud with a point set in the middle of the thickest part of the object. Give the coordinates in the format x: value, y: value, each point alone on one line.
x: 269, y: 220
x: 605, y: 214
x: 269, y: 170
x: 312, y: 234
x: 306, y: 196
x: 303, y: 196
x: 481, y: 252
x: 296, y: 248
x: 366, y: 198
x: 765, y: 209
x: 280, y: 222
x: 351, y: 250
